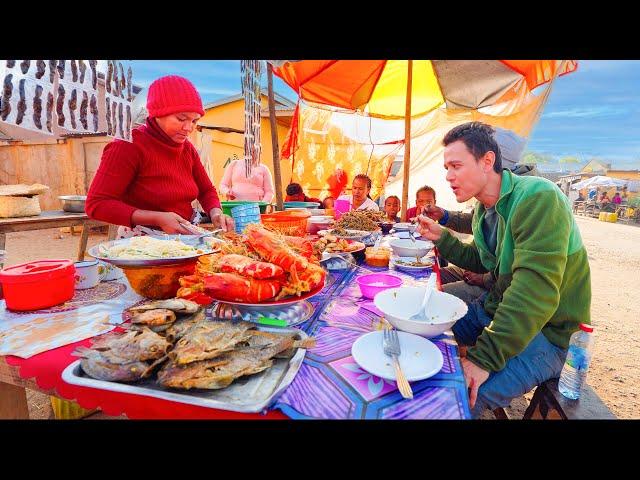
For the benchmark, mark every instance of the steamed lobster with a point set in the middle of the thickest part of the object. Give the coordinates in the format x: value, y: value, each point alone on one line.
x: 234, y: 277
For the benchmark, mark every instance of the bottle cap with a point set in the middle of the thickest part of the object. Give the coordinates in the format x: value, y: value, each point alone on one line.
x: 586, y: 328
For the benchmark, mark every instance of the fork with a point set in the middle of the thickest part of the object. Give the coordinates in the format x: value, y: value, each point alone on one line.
x: 391, y: 347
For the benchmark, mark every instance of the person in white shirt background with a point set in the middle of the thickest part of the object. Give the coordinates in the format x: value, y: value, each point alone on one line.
x: 359, y: 197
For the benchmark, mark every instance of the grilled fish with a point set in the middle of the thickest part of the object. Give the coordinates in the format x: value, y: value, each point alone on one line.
x: 208, y: 339
x: 131, y: 346
x: 95, y: 365
x: 181, y: 326
x: 251, y: 356
x: 177, y: 305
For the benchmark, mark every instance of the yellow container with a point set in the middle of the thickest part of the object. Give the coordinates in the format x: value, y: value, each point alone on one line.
x: 612, y: 217
x: 602, y: 216
x: 68, y: 410
x: 629, y: 212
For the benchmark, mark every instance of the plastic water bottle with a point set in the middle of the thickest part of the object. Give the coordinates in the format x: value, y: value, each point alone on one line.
x: 578, y: 359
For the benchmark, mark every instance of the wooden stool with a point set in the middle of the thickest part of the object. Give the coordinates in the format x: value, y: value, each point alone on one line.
x: 549, y: 404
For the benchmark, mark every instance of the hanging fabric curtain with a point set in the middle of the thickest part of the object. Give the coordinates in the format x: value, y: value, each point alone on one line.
x: 250, y: 71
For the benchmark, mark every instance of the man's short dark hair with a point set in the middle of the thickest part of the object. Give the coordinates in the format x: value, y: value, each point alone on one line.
x: 478, y: 138
x: 392, y: 196
x: 427, y: 189
x: 294, y: 189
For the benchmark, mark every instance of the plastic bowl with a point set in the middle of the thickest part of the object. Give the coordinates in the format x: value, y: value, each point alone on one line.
x: 404, y: 247
x: 158, y: 282
x: 386, y: 227
x: 371, y: 285
x: 443, y: 310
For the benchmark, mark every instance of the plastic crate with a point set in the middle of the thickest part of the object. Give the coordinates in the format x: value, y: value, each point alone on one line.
x: 289, y: 222
x: 244, y: 215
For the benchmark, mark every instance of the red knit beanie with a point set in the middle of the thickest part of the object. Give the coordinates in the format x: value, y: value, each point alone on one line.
x: 173, y: 94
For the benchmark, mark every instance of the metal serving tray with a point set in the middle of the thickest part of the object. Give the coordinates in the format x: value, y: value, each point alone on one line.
x: 96, y: 252
x: 249, y: 394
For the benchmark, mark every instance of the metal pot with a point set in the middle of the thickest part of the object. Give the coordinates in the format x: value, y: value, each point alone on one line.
x: 73, y: 203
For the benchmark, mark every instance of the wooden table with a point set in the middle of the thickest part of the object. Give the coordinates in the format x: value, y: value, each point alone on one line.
x: 52, y: 219
x: 13, y: 396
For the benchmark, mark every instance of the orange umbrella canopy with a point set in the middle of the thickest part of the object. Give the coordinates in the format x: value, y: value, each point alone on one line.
x: 378, y: 87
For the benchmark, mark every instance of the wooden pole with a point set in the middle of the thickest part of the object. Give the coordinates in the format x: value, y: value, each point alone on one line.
x: 277, y: 176
x: 407, y: 144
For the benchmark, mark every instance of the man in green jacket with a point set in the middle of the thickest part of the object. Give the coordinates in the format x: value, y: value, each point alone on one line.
x: 524, y: 232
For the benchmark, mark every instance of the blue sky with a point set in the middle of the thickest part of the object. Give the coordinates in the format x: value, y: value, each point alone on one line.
x: 593, y: 112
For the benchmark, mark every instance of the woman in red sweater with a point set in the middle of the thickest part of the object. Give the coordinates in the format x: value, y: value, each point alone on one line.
x: 153, y: 180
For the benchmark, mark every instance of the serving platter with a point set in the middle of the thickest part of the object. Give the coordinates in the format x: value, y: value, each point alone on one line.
x: 248, y: 394
x: 100, y: 252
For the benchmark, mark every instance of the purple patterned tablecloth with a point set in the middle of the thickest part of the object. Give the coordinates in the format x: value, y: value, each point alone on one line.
x: 331, y: 385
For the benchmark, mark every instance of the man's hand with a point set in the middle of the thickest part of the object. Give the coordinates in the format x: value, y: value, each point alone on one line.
x: 431, y: 211
x: 474, y: 376
x: 473, y: 278
x: 429, y: 229
x: 220, y: 220
x: 171, y: 222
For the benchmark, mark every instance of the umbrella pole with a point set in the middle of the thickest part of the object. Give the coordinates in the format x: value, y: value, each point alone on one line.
x: 277, y: 176
x: 407, y: 143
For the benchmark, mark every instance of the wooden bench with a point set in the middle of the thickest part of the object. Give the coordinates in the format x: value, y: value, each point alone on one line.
x: 53, y: 219
x: 549, y: 404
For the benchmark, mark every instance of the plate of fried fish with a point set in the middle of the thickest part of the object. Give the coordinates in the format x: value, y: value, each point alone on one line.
x: 177, y: 353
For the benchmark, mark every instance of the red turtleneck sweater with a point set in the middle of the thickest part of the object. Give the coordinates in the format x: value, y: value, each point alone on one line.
x: 152, y: 173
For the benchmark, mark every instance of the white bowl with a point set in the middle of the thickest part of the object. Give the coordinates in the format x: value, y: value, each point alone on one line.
x: 404, y: 227
x: 443, y: 310
x: 404, y: 247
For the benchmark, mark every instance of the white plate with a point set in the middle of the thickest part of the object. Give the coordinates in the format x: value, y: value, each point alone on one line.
x: 419, y: 357
x: 410, y: 268
x: 353, y: 234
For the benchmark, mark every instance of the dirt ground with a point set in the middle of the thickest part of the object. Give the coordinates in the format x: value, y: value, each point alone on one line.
x: 614, y: 256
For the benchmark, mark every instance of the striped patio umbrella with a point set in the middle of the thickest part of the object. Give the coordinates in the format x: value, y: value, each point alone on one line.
x: 379, y: 87
x: 397, y: 89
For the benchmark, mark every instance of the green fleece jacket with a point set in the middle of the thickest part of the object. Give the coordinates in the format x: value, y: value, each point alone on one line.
x: 543, y: 281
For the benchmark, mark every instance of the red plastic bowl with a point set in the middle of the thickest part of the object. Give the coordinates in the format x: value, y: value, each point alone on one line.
x: 370, y: 285
x: 39, y: 284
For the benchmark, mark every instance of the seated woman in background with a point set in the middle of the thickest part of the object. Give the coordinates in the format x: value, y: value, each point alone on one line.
x: 152, y: 180
x: 359, y: 198
x: 257, y: 187
x: 391, y: 208
x: 295, y: 194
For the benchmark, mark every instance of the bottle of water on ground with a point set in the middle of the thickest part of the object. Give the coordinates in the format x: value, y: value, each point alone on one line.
x: 578, y: 359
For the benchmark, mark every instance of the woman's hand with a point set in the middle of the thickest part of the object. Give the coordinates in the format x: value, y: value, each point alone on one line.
x: 171, y: 222
x: 220, y: 220
x: 231, y: 195
x: 428, y: 228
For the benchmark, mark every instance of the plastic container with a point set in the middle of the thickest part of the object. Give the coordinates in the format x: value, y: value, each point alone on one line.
x: 371, y: 285
x: 310, y: 205
x: 244, y: 215
x: 577, y: 362
x: 377, y: 257
x: 39, y: 284
x: 228, y: 205
x: 159, y: 281
x: 341, y: 206
x: 68, y: 410
x: 317, y: 223
x: 289, y: 222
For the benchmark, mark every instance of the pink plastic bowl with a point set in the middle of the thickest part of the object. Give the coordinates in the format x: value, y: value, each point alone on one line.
x: 370, y: 285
